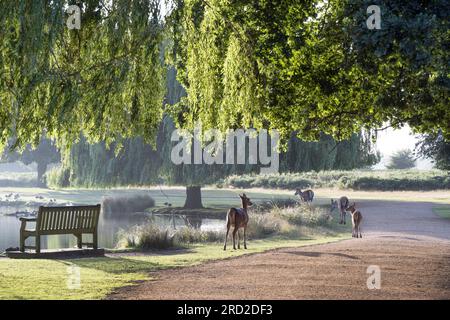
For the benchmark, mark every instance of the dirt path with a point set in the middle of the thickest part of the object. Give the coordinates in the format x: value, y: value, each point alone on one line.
x: 406, y: 240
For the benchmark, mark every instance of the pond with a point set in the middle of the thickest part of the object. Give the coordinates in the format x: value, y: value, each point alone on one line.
x: 108, y: 228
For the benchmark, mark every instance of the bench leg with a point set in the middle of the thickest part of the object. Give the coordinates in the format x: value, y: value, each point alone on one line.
x: 79, y: 240
x: 95, y: 241
x: 22, y: 243
x: 38, y: 244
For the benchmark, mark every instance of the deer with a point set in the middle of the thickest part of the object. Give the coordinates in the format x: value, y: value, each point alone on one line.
x: 305, y: 196
x: 356, y: 220
x: 342, y: 205
x: 238, y: 218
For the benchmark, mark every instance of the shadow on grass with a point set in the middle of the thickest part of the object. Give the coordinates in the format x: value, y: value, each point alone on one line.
x: 128, y: 262
x: 114, y: 265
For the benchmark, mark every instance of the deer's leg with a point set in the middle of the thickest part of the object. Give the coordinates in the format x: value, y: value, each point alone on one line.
x: 245, y: 237
x: 234, y: 236
x: 238, y: 239
x: 226, y: 236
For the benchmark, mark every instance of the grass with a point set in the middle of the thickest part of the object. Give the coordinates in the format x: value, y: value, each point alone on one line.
x: 442, y: 211
x: 47, y: 279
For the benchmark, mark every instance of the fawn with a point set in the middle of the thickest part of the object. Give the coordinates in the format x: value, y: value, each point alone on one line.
x: 356, y: 221
x: 238, y: 218
x: 342, y: 205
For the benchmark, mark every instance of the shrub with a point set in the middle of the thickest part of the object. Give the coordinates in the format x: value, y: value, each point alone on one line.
x: 189, y: 235
x: 263, y: 224
x: 146, y: 237
x: 117, y: 205
x: 384, y: 180
x: 57, y: 177
x: 304, y: 215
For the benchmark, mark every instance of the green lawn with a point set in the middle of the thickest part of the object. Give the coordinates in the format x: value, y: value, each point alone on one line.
x: 442, y: 211
x: 48, y: 279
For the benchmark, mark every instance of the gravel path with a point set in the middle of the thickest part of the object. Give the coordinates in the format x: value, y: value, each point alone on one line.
x: 407, y: 241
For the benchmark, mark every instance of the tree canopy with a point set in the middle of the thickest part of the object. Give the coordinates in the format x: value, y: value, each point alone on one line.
x: 104, y: 80
x: 312, y: 66
x: 434, y: 147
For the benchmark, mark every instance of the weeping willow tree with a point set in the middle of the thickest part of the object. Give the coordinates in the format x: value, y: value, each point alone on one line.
x: 313, y: 67
x: 104, y: 80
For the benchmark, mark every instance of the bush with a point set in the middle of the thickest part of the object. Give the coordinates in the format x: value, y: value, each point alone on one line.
x: 146, y: 237
x: 304, y: 215
x: 189, y: 235
x: 57, y: 177
x: 117, y: 205
x: 383, y: 180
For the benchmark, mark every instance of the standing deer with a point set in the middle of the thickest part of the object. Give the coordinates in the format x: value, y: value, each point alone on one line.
x: 305, y: 196
x: 356, y: 221
x: 342, y: 205
x: 238, y: 218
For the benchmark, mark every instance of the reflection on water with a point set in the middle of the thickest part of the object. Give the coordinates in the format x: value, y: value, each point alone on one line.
x: 108, y: 229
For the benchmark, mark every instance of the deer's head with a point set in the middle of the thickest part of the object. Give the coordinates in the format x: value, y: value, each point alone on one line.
x: 298, y: 192
x: 245, y: 200
x: 334, y: 205
x: 351, y: 207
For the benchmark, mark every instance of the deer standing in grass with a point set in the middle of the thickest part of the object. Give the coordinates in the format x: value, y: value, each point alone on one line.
x: 356, y: 221
x: 238, y: 218
x: 306, y: 196
x: 342, y: 205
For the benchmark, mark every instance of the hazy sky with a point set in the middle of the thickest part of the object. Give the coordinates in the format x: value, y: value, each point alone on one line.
x: 391, y: 140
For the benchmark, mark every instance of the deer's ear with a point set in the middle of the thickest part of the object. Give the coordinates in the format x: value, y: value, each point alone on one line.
x: 331, y: 200
x: 244, y: 195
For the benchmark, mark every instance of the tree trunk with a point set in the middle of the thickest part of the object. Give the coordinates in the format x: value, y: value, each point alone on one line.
x: 41, y: 168
x: 193, y: 198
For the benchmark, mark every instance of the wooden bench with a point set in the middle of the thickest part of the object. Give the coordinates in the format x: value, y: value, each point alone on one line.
x: 76, y: 220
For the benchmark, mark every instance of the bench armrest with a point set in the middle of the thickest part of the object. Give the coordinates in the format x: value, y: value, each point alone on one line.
x: 28, y: 219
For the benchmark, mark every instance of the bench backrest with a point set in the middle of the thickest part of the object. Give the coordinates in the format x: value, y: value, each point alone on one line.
x: 67, y: 219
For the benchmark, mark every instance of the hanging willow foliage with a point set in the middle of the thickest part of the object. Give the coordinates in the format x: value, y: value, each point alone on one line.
x: 105, y: 80
x: 312, y: 66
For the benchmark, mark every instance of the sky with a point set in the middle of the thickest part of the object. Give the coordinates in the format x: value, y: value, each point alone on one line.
x: 391, y: 140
